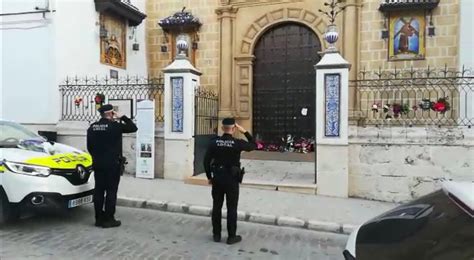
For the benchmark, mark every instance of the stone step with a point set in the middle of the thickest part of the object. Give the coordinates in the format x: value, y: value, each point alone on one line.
x: 308, y: 188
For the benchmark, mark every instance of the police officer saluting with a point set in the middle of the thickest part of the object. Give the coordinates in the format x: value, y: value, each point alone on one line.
x: 104, y: 143
x: 222, y: 165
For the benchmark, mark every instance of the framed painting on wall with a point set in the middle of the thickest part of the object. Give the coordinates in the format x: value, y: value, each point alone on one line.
x: 113, y: 45
x: 407, y: 36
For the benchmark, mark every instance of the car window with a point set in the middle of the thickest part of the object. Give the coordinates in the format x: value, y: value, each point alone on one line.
x: 431, y: 227
x: 12, y: 133
x: 411, y: 211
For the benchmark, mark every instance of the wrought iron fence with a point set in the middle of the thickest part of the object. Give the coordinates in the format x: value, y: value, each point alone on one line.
x: 206, y: 123
x: 442, y: 97
x: 80, y: 97
x: 206, y: 112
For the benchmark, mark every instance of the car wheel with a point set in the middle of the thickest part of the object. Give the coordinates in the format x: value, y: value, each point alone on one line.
x: 8, y: 212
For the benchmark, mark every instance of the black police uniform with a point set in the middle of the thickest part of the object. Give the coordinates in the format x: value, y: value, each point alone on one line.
x: 104, y: 143
x: 222, y: 165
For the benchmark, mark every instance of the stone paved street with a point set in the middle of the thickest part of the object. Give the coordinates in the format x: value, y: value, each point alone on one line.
x: 148, y: 234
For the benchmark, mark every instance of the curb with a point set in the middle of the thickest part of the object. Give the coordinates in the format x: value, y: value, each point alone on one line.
x: 257, y: 218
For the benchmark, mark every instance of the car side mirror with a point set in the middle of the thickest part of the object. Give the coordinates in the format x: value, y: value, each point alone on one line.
x: 44, y: 138
x: 48, y: 136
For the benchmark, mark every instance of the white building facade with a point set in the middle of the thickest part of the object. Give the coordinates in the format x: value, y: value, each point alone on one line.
x: 45, y: 41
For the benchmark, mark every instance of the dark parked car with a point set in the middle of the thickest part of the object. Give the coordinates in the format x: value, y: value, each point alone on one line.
x: 438, y: 226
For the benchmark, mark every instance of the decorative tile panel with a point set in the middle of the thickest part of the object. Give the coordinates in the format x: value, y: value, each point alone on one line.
x: 177, y: 104
x: 332, y: 103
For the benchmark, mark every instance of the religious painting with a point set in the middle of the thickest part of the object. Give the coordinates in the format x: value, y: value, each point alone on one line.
x: 407, y: 36
x: 113, y: 45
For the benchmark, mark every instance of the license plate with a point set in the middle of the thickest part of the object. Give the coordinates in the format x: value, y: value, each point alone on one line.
x: 80, y: 201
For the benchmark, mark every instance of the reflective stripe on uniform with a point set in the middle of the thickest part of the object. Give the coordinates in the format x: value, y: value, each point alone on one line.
x: 62, y: 161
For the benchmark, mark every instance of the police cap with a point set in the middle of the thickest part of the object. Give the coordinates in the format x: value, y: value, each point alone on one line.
x: 228, y: 122
x: 106, y: 108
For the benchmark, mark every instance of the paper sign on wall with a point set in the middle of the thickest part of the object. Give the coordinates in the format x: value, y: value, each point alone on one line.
x: 145, y: 148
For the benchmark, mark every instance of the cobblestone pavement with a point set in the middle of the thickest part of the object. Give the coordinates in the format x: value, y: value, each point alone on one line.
x: 148, y: 234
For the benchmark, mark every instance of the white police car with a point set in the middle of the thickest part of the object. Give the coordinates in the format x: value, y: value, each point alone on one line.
x: 37, y: 174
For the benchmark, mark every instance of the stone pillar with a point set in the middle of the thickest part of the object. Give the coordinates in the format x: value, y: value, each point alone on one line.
x: 226, y: 16
x: 181, y: 78
x: 332, y: 109
x: 351, y: 44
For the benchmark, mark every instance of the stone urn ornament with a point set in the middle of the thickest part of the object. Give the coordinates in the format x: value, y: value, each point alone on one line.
x: 182, y: 46
x: 332, y: 34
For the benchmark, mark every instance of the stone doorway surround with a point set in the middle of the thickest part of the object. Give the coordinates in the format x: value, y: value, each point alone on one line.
x: 241, y: 28
x: 242, y: 22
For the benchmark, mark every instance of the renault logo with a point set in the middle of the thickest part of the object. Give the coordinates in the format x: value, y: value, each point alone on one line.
x: 82, y: 172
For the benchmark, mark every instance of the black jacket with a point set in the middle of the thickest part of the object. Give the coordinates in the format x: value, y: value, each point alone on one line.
x: 104, y: 141
x: 225, y: 150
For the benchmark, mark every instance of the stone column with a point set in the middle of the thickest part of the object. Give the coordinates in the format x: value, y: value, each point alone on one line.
x: 242, y: 89
x: 226, y: 16
x: 332, y: 109
x: 351, y: 44
x: 180, y: 80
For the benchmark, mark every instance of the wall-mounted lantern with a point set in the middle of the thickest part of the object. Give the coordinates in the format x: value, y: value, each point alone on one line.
x: 431, y: 28
x: 180, y: 23
x: 103, y: 33
x: 384, y: 33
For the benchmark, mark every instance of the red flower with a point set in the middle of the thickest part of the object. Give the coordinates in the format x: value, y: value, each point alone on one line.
x: 439, y: 107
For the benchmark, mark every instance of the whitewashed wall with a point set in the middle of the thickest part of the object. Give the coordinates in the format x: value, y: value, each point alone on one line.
x: 27, y: 63
x: 398, y: 164
x: 74, y: 134
x: 38, y: 54
x: 78, y: 48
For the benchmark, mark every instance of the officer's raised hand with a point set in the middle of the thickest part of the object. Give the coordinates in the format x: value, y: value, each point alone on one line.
x: 240, y: 128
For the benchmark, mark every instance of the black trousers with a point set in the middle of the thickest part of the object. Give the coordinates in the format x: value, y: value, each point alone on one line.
x: 229, y: 189
x: 105, y: 194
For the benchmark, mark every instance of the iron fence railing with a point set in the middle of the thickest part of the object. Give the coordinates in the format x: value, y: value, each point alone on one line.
x: 80, y: 97
x: 206, y: 112
x: 442, y: 97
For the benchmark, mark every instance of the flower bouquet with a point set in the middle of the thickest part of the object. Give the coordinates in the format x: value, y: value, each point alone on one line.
x: 441, y: 106
x: 375, y: 107
x: 78, y: 101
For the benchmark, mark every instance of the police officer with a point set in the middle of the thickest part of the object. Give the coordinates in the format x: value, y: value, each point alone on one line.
x: 104, y: 143
x: 222, y: 165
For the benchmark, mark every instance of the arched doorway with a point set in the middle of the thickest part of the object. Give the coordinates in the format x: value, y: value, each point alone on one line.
x: 284, y: 83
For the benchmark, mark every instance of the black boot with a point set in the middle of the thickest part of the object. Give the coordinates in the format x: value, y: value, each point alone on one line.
x: 233, y: 240
x: 110, y: 223
x: 99, y: 220
x: 217, y: 238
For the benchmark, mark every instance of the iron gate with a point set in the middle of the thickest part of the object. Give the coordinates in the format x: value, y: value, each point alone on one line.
x: 206, y: 123
x: 284, y: 83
